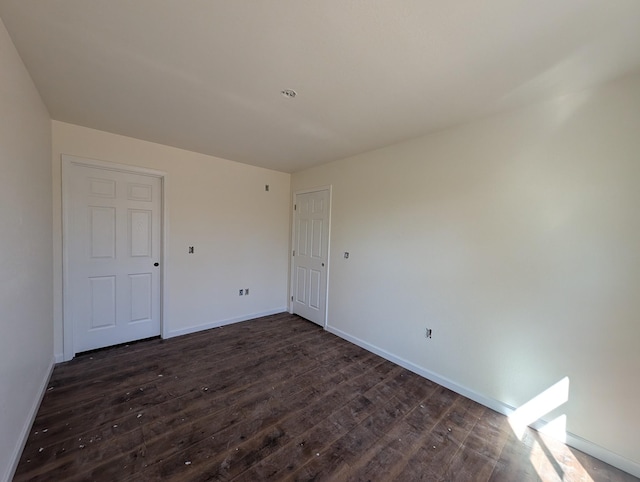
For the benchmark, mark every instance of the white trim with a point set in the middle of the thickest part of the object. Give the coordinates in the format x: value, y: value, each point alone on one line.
x: 219, y: 323
x: 445, y: 382
x: 603, y: 454
x: 24, y: 435
x: 572, y: 440
x: 67, y: 163
x: 293, y: 242
x: 164, y: 268
x: 58, y: 357
x: 111, y: 166
x: 67, y: 329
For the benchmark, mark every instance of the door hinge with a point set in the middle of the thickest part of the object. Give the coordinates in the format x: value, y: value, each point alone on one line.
x: 295, y: 207
x: 294, y: 252
x: 291, y: 298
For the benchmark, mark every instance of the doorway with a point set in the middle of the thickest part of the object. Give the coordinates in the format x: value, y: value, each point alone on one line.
x: 311, y: 224
x: 112, y: 254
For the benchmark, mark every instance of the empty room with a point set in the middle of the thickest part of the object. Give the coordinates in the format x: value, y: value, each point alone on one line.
x: 319, y: 240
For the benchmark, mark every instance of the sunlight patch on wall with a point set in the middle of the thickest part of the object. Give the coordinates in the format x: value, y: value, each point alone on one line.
x: 539, y: 406
x: 548, y: 455
x: 556, y: 428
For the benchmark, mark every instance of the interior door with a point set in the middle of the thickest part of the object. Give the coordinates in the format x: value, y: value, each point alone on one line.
x: 113, y: 247
x: 310, y: 255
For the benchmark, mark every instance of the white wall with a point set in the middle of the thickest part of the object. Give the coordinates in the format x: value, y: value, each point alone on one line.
x: 26, y: 344
x: 517, y: 240
x: 240, y: 232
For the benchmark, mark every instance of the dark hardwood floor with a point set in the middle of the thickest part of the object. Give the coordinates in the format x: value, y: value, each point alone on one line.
x: 275, y: 398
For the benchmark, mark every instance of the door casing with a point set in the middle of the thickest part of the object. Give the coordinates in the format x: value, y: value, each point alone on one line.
x: 293, y: 241
x: 67, y: 165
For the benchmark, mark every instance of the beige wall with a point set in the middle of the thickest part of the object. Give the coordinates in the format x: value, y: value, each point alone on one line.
x: 240, y: 232
x: 26, y: 344
x: 517, y: 240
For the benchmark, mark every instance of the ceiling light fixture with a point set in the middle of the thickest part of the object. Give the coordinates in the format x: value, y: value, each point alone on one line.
x: 289, y: 93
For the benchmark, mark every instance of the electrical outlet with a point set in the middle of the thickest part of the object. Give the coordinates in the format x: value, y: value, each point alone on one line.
x: 241, y: 292
x: 246, y: 291
x: 428, y: 332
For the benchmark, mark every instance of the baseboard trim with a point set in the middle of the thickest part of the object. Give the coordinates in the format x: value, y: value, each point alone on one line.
x: 603, y: 454
x: 219, y: 323
x: 59, y: 357
x: 26, y: 429
x: 572, y: 440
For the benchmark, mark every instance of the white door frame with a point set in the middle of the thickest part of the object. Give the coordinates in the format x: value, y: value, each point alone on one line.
x: 67, y: 164
x: 293, y: 243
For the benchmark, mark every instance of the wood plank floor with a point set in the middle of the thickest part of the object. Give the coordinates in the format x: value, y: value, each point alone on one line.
x: 276, y: 398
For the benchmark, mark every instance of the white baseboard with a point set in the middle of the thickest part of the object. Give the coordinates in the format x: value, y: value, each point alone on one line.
x: 218, y: 323
x: 24, y: 434
x: 572, y: 440
x: 59, y: 357
x: 603, y: 454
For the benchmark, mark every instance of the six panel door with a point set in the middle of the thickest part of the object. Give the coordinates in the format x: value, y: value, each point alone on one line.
x: 311, y: 237
x: 113, y: 250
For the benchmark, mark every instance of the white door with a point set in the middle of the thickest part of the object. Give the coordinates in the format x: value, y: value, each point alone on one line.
x: 310, y: 255
x: 113, y: 251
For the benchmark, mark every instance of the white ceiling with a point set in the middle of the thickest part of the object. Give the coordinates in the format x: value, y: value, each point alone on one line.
x: 206, y: 75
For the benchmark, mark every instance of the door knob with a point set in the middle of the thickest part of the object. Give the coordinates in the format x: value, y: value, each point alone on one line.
x: 156, y: 264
